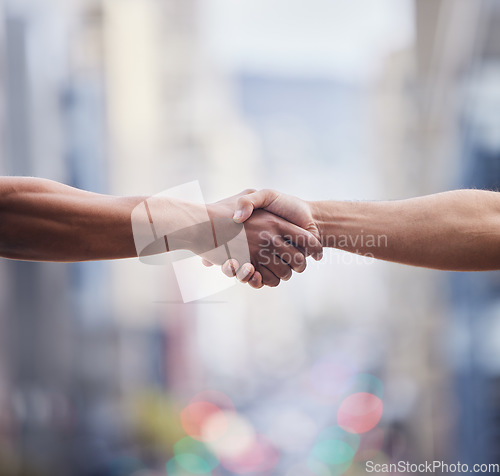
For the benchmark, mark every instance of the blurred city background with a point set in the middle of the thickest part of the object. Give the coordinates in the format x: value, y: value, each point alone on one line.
x: 103, y: 370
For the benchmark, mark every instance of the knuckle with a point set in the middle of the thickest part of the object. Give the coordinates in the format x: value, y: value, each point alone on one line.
x: 275, y: 223
x: 278, y: 221
x: 300, y: 259
x: 243, y: 201
x: 249, y: 190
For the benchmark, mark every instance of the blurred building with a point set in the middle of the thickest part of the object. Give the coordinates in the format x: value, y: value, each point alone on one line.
x: 433, y: 132
x: 124, y: 97
x: 111, y: 97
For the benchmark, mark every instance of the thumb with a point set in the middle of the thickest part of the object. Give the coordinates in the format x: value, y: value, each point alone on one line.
x: 248, y: 203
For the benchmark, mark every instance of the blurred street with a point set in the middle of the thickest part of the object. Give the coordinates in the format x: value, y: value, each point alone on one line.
x: 104, y: 371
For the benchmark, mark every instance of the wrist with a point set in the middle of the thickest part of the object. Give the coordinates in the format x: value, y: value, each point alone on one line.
x: 190, y: 225
x: 352, y: 226
x: 323, y: 219
x: 182, y: 225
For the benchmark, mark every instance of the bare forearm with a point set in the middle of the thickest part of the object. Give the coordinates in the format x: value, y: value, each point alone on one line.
x: 44, y: 220
x: 458, y: 230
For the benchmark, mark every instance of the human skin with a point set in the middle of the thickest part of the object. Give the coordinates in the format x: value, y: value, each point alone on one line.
x: 457, y: 230
x: 43, y: 220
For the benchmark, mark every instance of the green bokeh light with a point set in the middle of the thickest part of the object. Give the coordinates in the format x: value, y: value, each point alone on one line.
x: 191, y: 446
x: 337, y: 433
x: 191, y: 457
x: 192, y: 463
x: 174, y: 468
x: 333, y: 452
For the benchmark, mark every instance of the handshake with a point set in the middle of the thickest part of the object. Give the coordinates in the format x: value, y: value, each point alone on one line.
x: 280, y: 231
x: 259, y: 237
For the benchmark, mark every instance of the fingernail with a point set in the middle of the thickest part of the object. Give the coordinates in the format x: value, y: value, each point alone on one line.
x: 319, y: 257
x: 244, y: 272
x: 238, y: 215
x: 255, y: 282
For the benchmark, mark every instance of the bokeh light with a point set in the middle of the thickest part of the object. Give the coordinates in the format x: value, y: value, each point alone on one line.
x: 260, y: 456
x: 218, y: 434
x: 335, y: 449
x: 333, y: 452
x: 194, y: 456
x: 192, y: 463
x: 338, y: 433
x: 195, y: 416
x: 215, y: 397
x: 359, y: 412
x: 175, y: 469
x: 236, y: 439
x: 320, y: 468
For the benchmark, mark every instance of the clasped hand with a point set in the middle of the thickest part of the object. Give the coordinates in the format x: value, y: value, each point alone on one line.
x: 280, y: 233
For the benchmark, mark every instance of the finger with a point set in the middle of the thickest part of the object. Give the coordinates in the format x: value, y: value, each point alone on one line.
x: 245, y: 273
x: 248, y: 203
x: 290, y: 254
x: 277, y: 266
x: 256, y: 280
x: 268, y: 277
x: 247, y: 191
x: 303, y: 240
x: 230, y: 267
x: 206, y: 263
